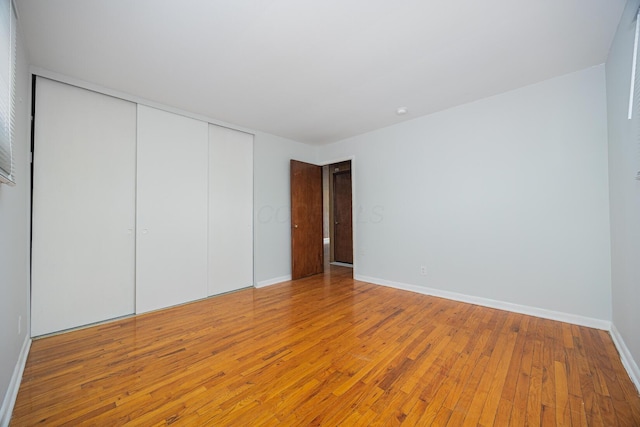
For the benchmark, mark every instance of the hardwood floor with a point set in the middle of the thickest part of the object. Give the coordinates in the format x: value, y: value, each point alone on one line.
x: 327, y: 350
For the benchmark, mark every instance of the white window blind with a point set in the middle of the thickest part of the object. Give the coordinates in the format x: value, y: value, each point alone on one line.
x: 7, y: 89
x: 634, y: 93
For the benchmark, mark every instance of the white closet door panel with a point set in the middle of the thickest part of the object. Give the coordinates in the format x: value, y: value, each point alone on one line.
x: 230, y: 210
x: 83, y: 208
x: 171, y: 250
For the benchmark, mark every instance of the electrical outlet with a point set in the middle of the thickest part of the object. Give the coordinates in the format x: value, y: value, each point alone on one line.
x: 423, y: 270
x: 19, y: 325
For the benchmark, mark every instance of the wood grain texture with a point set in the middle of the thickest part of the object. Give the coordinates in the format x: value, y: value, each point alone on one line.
x: 327, y: 350
x: 343, y: 217
x: 307, y: 250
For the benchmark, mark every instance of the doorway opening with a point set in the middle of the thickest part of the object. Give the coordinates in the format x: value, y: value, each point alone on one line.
x: 337, y: 213
x: 321, y: 217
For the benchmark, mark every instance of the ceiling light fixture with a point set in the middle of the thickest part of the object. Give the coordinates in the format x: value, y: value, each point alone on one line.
x: 401, y: 111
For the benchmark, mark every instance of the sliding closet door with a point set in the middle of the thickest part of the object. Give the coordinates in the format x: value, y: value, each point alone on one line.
x: 230, y: 210
x: 171, y: 250
x: 83, y: 208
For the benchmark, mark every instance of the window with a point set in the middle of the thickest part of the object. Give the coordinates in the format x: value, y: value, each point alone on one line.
x: 7, y: 89
x: 634, y: 93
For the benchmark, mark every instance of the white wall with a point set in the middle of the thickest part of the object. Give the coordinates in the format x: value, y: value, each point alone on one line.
x: 272, y: 229
x: 503, y: 199
x: 624, y: 163
x: 14, y: 242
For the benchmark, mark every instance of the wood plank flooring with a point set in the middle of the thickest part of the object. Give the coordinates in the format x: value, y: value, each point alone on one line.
x: 327, y: 350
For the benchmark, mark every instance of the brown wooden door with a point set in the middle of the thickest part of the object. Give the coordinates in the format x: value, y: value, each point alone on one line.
x: 343, y: 225
x: 306, y: 220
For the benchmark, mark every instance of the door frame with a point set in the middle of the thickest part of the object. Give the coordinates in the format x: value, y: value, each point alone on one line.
x: 354, y: 210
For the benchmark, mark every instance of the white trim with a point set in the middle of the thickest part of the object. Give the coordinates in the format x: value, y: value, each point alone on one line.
x: 500, y: 305
x: 338, y: 160
x: 275, y: 280
x: 14, y: 384
x: 326, y: 240
x: 626, y: 357
x: 51, y: 75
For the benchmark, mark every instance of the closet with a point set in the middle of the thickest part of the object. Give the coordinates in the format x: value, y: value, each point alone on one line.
x: 230, y: 210
x: 134, y: 208
x: 171, y: 214
x: 83, y: 242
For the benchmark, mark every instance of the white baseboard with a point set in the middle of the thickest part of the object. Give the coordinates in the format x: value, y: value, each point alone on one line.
x: 14, y: 385
x: 501, y: 305
x: 275, y: 280
x: 625, y: 355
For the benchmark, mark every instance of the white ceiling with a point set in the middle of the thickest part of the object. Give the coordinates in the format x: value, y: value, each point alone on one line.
x: 316, y: 71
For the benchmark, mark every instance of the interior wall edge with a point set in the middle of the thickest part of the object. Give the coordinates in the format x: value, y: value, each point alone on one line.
x: 12, y: 392
x: 500, y: 305
x: 625, y: 355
